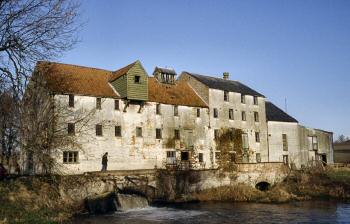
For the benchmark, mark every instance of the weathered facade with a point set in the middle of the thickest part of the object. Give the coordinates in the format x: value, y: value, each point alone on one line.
x: 294, y: 144
x: 156, y: 122
x: 342, y: 152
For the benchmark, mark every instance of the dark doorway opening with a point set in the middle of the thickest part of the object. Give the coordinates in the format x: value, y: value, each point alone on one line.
x: 324, y: 159
x: 185, y: 156
x: 263, y: 186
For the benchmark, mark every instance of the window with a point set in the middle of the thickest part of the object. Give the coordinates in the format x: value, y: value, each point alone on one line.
x: 98, y: 130
x: 226, y: 96
x: 198, y: 112
x: 71, y: 101
x: 71, y: 129
x: 138, y: 131
x: 244, y: 116
x: 171, y: 157
x: 118, y: 131
x: 256, y: 116
x: 314, y: 143
x: 116, y: 104
x: 137, y: 79
x: 177, y: 134
x: 230, y: 114
x: 70, y: 156
x: 216, y: 134
x: 158, y: 109
x: 285, y: 159
x: 158, y: 133
x: 285, y: 142
x: 98, y: 103
x: 245, y: 143
x: 200, y: 157
x: 257, y: 136
x: 242, y: 98
x: 256, y: 102
x: 233, y: 157
x: 258, y: 158
x: 217, y: 155
x: 215, y: 113
x: 176, y: 111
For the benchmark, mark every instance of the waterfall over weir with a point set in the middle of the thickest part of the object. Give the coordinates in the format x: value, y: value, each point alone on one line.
x: 112, y: 202
x: 130, y: 201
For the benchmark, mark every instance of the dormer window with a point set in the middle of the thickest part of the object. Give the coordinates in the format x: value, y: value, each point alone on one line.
x: 165, y: 75
x: 137, y: 79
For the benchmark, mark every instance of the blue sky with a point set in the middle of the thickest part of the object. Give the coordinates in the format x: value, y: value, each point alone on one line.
x: 299, y: 50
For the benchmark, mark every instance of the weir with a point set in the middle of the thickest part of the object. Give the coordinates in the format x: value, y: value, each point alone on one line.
x: 131, y: 201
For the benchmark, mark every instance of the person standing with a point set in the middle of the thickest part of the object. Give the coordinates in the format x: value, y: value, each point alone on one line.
x: 104, y: 161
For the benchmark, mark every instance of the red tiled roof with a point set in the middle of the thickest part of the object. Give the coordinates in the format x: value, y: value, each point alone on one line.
x: 179, y: 94
x: 73, y: 79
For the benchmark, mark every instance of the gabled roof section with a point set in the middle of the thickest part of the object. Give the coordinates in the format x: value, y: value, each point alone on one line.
x: 74, y: 79
x: 178, y: 94
x: 165, y: 70
x: 274, y: 113
x: 226, y: 85
x: 115, y: 75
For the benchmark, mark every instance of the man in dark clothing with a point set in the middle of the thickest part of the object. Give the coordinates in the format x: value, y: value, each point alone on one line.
x: 104, y: 161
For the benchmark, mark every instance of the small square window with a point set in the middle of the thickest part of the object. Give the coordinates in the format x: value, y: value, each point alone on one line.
x: 226, y: 96
x: 177, y: 134
x: 258, y: 157
x: 71, y: 101
x: 216, y: 134
x: 137, y: 79
x: 215, y: 112
x: 118, y: 131
x: 158, y: 109
x: 200, y: 157
x: 198, y: 112
x: 71, y: 129
x: 256, y: 116
x: 70, y: 156
x: 230, y: 114
x: 98, y: 130
x: 257, y: 137
x: 158, y: 133
x: 138, y: 131
x: 242, y: 98
x: 217, y: 155
x: 256, y: 102
x: 116, y: 104
x: 285, y: 142
x: 98, y: 103
x: 176, y: 111
x: 244, y: 116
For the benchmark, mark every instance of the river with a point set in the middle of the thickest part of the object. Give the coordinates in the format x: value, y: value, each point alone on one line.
x: 220, y: 212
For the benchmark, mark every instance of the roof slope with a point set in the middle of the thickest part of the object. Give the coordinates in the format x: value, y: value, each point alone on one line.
x: 226, y: 85
x: 121, y: 72
x: 178, y: 94
x: 74, y: 79
x: 274, y: 113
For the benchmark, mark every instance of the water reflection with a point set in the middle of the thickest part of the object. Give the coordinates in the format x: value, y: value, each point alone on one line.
x: 297, y: 212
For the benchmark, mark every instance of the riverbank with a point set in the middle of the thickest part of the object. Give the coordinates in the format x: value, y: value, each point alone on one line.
x: 311, y: 184
x: 56, y: 199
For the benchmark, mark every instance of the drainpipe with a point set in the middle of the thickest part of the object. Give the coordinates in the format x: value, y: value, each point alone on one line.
x: 268, y: 144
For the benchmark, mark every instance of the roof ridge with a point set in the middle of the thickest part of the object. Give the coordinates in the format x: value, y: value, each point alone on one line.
x: 73, y: 65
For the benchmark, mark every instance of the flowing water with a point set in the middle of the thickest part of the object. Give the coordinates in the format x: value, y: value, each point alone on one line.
x: 295, y: 212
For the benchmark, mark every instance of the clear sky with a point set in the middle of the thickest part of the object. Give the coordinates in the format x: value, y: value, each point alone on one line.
x: 299, y: 50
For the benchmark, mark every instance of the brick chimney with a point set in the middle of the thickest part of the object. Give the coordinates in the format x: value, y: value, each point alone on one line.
x: 226, y: 75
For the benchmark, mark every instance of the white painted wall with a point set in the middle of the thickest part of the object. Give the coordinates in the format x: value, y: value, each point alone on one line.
x: 216, y: 100
x: 130, y: 152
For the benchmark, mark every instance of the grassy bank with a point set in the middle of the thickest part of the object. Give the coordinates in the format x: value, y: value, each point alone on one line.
x: 299, y: 185
x: 32, y: 200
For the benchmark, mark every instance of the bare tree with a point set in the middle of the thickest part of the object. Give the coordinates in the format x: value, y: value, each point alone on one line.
x: 342, y: 138
x: 33, y: 30
x: 30, y: 31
